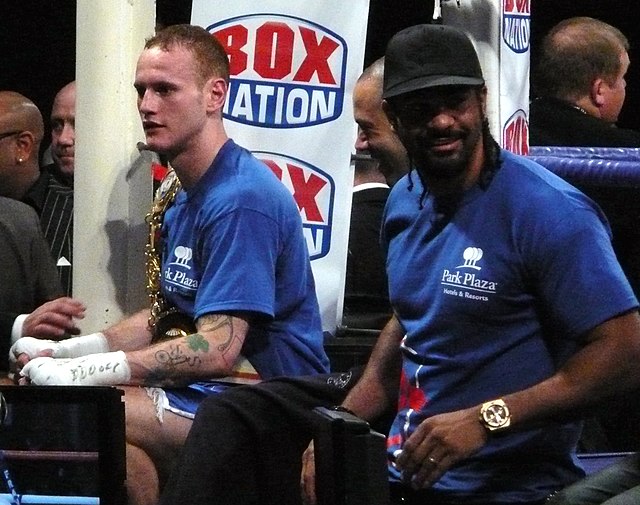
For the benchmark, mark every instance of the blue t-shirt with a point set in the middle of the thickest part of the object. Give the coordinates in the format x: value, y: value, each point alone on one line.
x: 494, y: 298
x: 234, y: 242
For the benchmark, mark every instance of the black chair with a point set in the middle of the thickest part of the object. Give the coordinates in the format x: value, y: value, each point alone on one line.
x: 62, y: 444
x: 350, y: 457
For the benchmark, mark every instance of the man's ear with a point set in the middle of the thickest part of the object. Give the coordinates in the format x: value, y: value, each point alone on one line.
x: 215, y: 93
x: 483, y: 99
x: 391, y: 117
x: 25, y: 145
x: 597, y: 92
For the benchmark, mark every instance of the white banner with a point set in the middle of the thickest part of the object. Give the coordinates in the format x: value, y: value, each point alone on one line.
x: 500, y: 30
x: 515, y: 49
x: 293, y: 68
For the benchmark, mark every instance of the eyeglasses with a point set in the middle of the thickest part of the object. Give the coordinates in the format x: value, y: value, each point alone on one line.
x: 9, y: 134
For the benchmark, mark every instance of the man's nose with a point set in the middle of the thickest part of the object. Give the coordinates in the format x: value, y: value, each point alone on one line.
x: 145, y: 102
x: 362, y: 142
x: 441, y: 119
x: 68, y: 134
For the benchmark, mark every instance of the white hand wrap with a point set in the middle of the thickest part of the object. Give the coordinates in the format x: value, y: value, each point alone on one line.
x: 69, y: 348
x: 105, y: 369
x: 32, y: 347
x: 82, y: 346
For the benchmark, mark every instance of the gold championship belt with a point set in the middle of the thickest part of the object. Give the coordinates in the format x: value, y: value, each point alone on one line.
x: 166, y: 322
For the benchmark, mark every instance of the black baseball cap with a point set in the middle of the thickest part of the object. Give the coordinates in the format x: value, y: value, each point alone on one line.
x: 425, y: 56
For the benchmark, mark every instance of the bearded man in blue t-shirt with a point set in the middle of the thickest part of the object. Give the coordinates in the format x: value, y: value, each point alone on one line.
x: 511, y: 312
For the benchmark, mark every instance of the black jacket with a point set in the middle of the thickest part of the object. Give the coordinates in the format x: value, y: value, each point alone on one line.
x: 556, y: 123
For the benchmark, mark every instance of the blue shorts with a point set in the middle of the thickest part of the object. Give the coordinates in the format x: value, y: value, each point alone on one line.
x: 185, y: 401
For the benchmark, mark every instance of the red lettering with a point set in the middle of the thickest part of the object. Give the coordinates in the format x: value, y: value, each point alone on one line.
x: 523, y: 136
x: 233, y: 39
x: 523, y: 6
x: 316, y: 59
x: 274, y: 168
x: 305, y: 192
x: 520, y: 6
x: 274, y: 50
x: 516, y: 137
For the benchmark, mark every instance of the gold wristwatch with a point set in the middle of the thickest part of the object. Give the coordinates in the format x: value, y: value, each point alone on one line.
x: 495, y: 415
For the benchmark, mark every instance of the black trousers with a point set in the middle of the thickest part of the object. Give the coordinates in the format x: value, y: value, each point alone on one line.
x: 402, y: 495
x: 245, y: 445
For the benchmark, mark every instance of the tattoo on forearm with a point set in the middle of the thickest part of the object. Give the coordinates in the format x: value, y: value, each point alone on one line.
x: 163, y: 377
x: 213, y: 322
x: 168, y: 372
x: 197, y: 342
x: 174, y: 357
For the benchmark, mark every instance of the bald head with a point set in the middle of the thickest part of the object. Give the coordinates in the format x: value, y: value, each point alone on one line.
x: 375, y: 133
x: 19, y: 151
x: 374, y: 72
x: 19, y: 113
x: 63, y: 131
x: 575, y: 58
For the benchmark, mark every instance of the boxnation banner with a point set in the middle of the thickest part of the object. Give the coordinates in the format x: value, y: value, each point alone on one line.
x: 293, y: 68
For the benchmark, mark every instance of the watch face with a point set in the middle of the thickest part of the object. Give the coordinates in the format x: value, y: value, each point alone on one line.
x: 495, y: 415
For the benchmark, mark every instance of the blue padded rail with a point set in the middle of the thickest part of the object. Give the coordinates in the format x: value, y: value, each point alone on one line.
x: 591, y: 165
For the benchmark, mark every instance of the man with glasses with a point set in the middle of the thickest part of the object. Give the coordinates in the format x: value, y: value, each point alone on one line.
x: 31, y: 302
x: 21, y: 132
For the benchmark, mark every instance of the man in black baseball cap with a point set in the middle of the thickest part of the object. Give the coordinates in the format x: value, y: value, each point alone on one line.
x: 486, y: 251
x: 426, y: 68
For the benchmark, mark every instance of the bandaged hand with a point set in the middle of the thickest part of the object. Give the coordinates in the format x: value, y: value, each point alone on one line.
x: 69, y: 348
x: 105, y: 369
x: 32, y: 347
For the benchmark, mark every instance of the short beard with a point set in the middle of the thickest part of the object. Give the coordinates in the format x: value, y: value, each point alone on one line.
x: 450, y: 167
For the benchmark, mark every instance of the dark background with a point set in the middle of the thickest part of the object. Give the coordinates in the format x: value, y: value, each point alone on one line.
x: 37, y: 38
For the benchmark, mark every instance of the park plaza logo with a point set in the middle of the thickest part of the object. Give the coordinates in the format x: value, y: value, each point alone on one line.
x: 516, y: 24
x: 471, y: 257
x: 178, y: 269
x: 286, y: 72
x: 465, y: 279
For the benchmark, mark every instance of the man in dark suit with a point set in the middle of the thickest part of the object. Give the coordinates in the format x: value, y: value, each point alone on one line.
x: 379, y: 162
x: 366, y: 296
x: 28, y: 276
x: 579, y: 82
x: 30, y: 301
x: 22, y: 130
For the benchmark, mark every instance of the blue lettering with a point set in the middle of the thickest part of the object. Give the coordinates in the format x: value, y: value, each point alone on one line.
x: 281, y: 105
